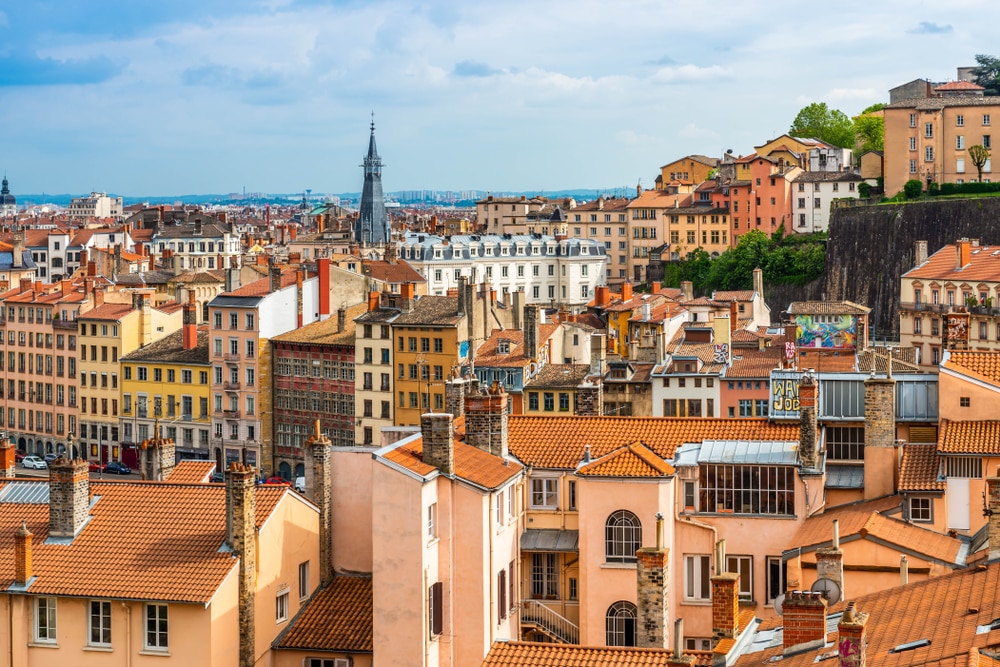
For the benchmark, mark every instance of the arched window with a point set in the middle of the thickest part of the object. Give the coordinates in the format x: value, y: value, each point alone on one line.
x: 620, y: 621
x: 622, y: 537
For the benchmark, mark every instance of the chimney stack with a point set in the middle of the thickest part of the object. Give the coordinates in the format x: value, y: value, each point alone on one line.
x: 603, y: 296
x: 804, y: 615
x: 852, y: 637
x: 652, y: 578
x: 22, y: 556
x: 626, y: 291
x: 318, y: 487
x: 993, y: 519
x: 880, y: 437
x: 341, y: 319
x: 373, y: 301
x: 157, y: 457
x: 590, y: 397
x: 830, y: 560
x: 598, y: 353
x: 455, y: 389
x: 274, y: 275
x: 758, y: 282
x: 531, y: 332
x: 8, y: 459
x: 190, y: 323
x: 904, y: 570
x: 241, y: 524
x: 687, y: 288
x: 408, y: 300
x: 438, y: 438
x: 919, y: 253
x: 808, y: 443
x: 963, y: 253
x: 69, y: 497
x: 486, y: 420
x: 725, y: 605
x: 323, y: 269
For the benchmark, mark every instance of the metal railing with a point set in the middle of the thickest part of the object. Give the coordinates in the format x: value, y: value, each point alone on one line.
x: 926, y: 307
x: 551, y: 622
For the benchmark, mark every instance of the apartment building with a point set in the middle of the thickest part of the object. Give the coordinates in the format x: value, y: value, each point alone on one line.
x: 373, y: 330
x: 242, y: 323
x: 927, y: 139
x: 198, y: 241
x: 763, y: 201
x: 813, y: 195
x: 108, y: 333
x: 687, y: 172
x: 503, y: 215
x: 314, y: 379
x: 604, y: 220
x: 40, y: 408
x: 554, y: 271
x: 97, y: 205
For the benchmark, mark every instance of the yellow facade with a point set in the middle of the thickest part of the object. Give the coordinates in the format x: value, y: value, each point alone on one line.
x: 424, y: 358
x: 550, y: 401
x: 687, y: 170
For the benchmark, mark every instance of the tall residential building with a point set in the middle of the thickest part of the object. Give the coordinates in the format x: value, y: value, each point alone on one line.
x: 372, y: 226
x: 604, y: 220
x: 199, y: 242
x: 373, y: 366
x: 97, y: 205
x: 813, y: 197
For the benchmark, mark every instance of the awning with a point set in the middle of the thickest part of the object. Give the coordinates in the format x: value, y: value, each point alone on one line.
x: 550, y: 539
x: 749, y: 452
x: 845, y: 477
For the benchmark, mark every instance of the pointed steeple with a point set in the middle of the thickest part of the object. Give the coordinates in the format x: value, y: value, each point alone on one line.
x: 372, y: 226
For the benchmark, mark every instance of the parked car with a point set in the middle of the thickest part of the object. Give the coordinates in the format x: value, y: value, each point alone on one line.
x: 19, y: 455
x: 116, y: 468
x: 277, y: 480
x: 34, y: 462
x: 300, y: 484
x: 94, y: 466
x: 50, y: 457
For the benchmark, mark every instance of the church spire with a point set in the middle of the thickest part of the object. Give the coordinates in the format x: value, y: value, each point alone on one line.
x: 372, y: 226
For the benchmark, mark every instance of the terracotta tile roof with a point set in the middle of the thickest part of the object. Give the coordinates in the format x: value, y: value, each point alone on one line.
x: 170, y: 349
x: 984, y: 265
x: 603, y: 204
x: 734, y: 295
x: 634, y: 460
x: 658, y: 312
x: 827, y: 308
x: 432, y: 311
x: 558, y: 442
x: 559, y: 376
x: 109, y: 311
x: 395, y: 272
x: 172, y: 553
x: 904, y: 360
x: 749, y: 363
x: 909, y: 536
x: 919, y: 469
x: 635, y: 302
x: 530, y: 654
x: 954, y: 613
x: 816, y: 530
x: 191, y: 472
x: 336, y: 618
x: 170, y: 307
x: 471, y: 464
x: 958, y: 85
x: 969, y: 437
x: 982, y: 365
x: 325, y: 331
x: 263, y: 286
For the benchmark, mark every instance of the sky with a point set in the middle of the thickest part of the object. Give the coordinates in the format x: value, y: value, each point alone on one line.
x: 144, y: 97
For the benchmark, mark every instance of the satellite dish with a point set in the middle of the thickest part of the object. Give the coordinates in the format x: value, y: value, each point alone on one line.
x: 779, y: 604
x: 828, y: 588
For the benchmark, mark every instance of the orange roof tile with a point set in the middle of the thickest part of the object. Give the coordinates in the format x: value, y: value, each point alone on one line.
x: 471, y: 464
x: 336, y: 618
x: 558, y: 442
x: 919, y: 469
x: 983, y: 365
x: 263, y: 286
x: 172, y: 551
x: 634, y: 460
x: 912, y: 537
x: 749, y: 363
x: 108, y: 311
x: 969, y: 437
x: 530, y: 654
x: 191, y: 472
x: 817, y: 531
x: 983, y: 265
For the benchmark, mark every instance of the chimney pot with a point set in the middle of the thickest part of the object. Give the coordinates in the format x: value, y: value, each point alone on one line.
x: 22, y: 555
x: 438, y: 441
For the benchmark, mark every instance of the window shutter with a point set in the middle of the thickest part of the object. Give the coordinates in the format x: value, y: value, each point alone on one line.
x: 502, y: 594
x: 437, y: 613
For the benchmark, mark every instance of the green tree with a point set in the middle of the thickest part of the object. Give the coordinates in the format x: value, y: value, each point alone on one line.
x: 912, y: 188
x: 869, y: 132
x: 979, y: 155
x: 820, y: 122
x: 987, y: 73
x: 872, y: 108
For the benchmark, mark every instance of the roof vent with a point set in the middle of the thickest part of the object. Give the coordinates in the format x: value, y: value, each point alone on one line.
x: 909, y: 646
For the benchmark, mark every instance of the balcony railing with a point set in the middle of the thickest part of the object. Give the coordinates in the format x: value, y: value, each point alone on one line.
x: 231, y: 414
x: 926, y: 307
x: 231, y: 386
x: 550, y: 622
x: 64, y: 324
x: 231, y: 357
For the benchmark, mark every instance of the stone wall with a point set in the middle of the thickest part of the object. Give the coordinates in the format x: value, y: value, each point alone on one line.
x: 69, y: 497
x: 652, y: 575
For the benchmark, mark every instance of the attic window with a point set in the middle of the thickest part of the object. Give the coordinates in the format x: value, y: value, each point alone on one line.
x: 503, y: 347
x: 909, y: 646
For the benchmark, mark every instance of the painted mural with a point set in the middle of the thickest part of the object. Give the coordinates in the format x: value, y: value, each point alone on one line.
x: 831, y: 332
x: 784, y: 394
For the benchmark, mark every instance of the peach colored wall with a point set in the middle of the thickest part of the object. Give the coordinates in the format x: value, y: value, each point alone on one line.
x: 285, y: 658
x: 225, y: 626
x: 602, y: 584
x: 351, y: 498
x: 404, y: 565
x: 870, y: 554
x: 982, y: 400
x: 289, y: 537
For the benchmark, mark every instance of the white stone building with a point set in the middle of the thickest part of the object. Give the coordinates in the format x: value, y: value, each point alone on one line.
x: 812, y: 194
x: 97, y: 205
x: 551, y: 271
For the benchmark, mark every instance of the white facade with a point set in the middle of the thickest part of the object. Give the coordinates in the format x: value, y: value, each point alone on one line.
x: 830, y: 158
x: 551, y: 272
x: 812, y: 194
x: 199, y: 247
x: 97, y: 205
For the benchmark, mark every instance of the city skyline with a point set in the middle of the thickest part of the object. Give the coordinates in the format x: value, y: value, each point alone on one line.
x: 276, y: 97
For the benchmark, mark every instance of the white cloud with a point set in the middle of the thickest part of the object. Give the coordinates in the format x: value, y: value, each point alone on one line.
x: 689, y: 74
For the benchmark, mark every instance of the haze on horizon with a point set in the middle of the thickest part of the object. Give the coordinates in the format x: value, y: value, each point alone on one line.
x: 213, y: 96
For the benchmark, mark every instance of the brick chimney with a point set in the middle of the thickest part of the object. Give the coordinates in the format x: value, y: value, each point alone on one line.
x: 486, y: 420
x: 531, y: 332
x: 758, y: 282
x: 407, y: 298
x: 69, y: 497
x: 687, y: 288
x: 8, y: 459
x: 830, y: 560
x: 274, y: 276
x: 157, y: 457
x: 22, y: 556
x: 590, y: 397
x: 725, y: 605
x: 455, y: 389
x: 190, y: 335
x: 852, y: 638
x: 919, y: 253
x: 652, y: 579
x: 880, y: 437
x: 323, y: 269
x: 602, y: 296
x: 373, y: 301
x: 241, y: 524
x: 626, y: 291
x: 804, y: 615
x: 438, y: 441
x: 318, y: 487
x: 993, y: 518
x: 963, y: 253
x: 808, y: 445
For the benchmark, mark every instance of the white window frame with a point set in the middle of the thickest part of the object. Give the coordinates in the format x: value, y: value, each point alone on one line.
x: 432, y: 521
x: 622, y: 537
x: 105, y: 625
x: 547, y: 490
x: 498, y: 507
x: 281, y: 606
x: 690, y: 489
x: 49, y: 635
x: 742, y: 565
x: 697, y: 570
x: 155, y: 617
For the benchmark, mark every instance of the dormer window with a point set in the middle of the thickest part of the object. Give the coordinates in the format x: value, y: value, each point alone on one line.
x: 503, y: 347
